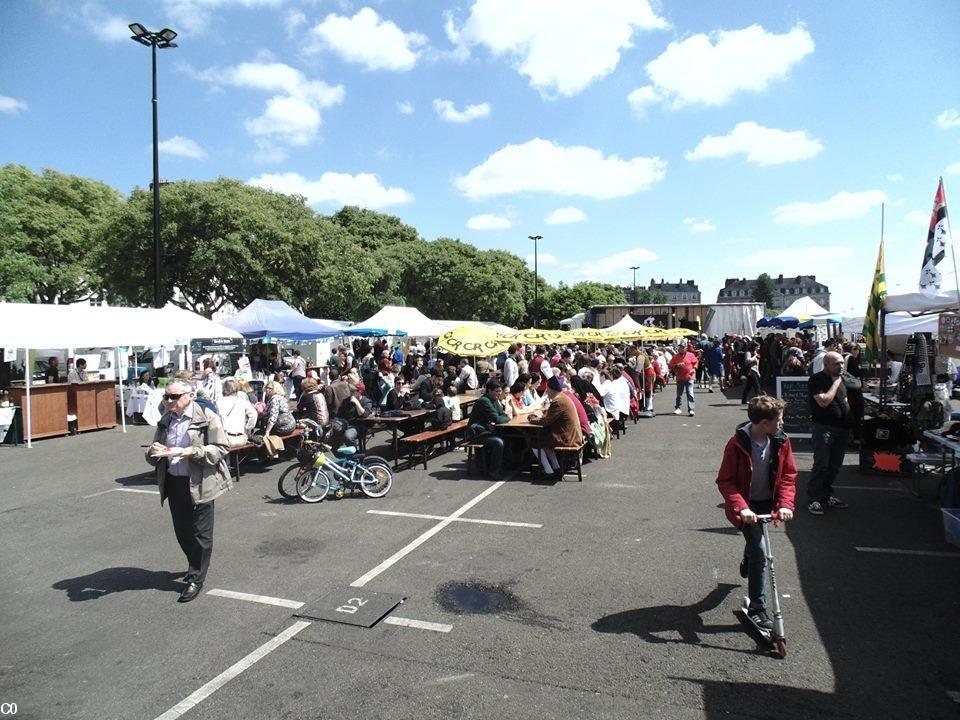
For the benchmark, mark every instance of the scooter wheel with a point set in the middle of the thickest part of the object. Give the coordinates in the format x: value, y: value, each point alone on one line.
x: 782, y: 648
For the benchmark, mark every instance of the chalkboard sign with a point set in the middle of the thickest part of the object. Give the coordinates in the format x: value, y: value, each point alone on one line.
x: 796, y: 415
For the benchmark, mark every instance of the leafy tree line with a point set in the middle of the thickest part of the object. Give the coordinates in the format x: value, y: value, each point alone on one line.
x: 65, y: 238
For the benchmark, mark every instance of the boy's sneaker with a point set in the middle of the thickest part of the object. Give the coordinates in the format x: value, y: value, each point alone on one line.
x: 759, y: 617
x: 743, y: 568
x: 677, y: 411
x: 836, y: 503
x: 691, y: 413
x: 815, y: 508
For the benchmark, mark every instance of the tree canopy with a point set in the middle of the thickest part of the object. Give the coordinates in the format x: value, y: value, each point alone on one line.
x: 763, y: 290
x: 224, y: 242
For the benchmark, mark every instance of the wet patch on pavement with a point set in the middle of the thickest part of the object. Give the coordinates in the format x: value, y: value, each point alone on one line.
x: 475, y: 597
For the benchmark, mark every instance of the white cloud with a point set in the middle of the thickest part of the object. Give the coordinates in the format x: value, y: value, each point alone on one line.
x: 293, y: 116
x: 842, y: 206
x: 895, y: 177
x: 405, y: 107
x: 710, y: 69
x: 489, y: 222
x: 953, y: 169
x: 916, y: 217
x: 949, y: 118
x: 699, y: 226
x: 543, y: 166
x: 614, y: 266
x: 643, y: 97
x: 561, y: 45
x: 795, y: 260
x: 194, y: 17
x: 363, y: 189
x: 446, y: 110
x: 182, y: 147
x: 761, y: 145
x: 565, y: 216
x: 369, y: 40
x: 11, y: 106
x: 293, y: 21
x: 547, y: 259
x: 108, y: 28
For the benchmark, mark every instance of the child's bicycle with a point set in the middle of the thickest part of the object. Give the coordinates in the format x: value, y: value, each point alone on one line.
x: 306, y: 453
x: 346, y: 470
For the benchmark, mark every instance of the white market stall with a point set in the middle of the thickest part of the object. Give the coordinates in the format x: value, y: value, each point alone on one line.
x: 399, y: 320
x: 29, y: 326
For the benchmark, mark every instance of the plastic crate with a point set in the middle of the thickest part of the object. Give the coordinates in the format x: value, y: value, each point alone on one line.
x: 951, y: 525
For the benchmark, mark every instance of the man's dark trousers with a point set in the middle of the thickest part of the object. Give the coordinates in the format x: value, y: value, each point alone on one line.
x: 193, y: 525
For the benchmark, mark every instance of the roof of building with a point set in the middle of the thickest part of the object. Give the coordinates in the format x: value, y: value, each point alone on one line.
x: 779, y: 281
x: 682, y: 286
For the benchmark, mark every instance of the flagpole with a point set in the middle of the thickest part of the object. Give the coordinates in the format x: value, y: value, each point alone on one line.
x: 882, y: 322
x: 953, y: 254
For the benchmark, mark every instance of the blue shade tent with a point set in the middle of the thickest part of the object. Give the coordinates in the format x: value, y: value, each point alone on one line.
x: 275, y: 319
x: 765, y: 321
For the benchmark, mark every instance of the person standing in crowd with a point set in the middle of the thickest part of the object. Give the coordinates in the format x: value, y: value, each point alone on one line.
x: 715, y: 365
x: 757, y: 476
x: 851, y: 364
x: 485, y: 414
x: 511, y: 370
x: 189, y: 452
x: 467, y: 377
x: 298, y: 371
x: 238, y: 416
x: 684, y: 365
x: 211, y: 386
x: 78, y: 373
x: 830, y: 422
x: 750, y: 371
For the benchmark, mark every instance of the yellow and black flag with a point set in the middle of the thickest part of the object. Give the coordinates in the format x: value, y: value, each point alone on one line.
x: 871, y: 323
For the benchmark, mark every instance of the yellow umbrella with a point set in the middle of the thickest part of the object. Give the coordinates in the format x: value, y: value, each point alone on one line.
x: 472, y: 341
x: 532, y: 336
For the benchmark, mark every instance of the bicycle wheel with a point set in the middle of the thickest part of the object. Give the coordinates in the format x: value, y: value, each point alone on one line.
x: 312, y: 487
x: 287, y: 484
x: 376, y: 478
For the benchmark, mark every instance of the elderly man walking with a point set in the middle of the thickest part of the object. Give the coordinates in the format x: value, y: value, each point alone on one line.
x: 189, y: 453
x: 830, y: 423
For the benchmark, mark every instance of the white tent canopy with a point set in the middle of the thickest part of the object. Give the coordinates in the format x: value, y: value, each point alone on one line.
x: 625, y: 324
x: 804, y: 308
x: 918, y: 302
x: 399, y: 320
x: 902, y: 323
x: 24, y: 325
x: 733, y: 318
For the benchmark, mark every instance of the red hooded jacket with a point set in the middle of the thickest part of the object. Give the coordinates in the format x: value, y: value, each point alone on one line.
x: 736, y: 470
x: 684, y: 365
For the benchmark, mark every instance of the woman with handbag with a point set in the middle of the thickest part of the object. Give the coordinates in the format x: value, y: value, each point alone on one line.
x: 279, y: 419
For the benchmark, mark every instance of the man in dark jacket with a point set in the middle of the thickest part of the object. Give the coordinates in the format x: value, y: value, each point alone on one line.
x: 829, y: 425
x: 485, y: 415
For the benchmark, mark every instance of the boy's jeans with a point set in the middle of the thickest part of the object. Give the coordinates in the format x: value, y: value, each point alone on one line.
x: 756, y: 555
x: 685, y: 386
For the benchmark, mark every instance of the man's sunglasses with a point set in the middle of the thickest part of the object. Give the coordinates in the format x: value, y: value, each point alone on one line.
x: 173, y: 398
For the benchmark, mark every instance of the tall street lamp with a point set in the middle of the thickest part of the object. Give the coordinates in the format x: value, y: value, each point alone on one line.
x: 162, y: 40
x: 634, y: 268
x: 536, y: 308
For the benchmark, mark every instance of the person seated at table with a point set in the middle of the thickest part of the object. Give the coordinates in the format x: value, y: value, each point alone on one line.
x: 467, y: 377
x: 398, y: 396
x: 532, y: 397
x: 616, y: 398
x: 424, y: 385
x: 452, y: 401
x: 238, y: 415
x: 410, y: 371
x: 311, y: 404
x: 279, y: 420
x: 561, y: 426
x: 442, y: 417
x: 52, y: 373
x: 78, y: 373
x: 145, y: 383
x: 484, y: 370
x: 350, y: 411
x: 210, y: 383
x: 485, y: 415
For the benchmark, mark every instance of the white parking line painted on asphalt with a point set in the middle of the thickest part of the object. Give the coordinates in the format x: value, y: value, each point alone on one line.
x: 508, y: 523
x: 620, y: 485
x: 129, y: 490
x: 410, y: 547
x: 195, y: 698
x: 419, y: 624
x: 262, y: 599
x: 898, y: 551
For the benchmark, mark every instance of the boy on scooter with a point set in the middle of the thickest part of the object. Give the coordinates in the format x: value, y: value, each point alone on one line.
x: 758, y: 475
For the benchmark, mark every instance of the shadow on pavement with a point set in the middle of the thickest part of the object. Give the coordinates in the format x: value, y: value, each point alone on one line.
x: 729, y: 530
x: 686, y: 620
x: 117, y: 579
x: 145, y: 478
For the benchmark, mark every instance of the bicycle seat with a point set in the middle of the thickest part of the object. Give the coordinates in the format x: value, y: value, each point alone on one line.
x: 346, y: 451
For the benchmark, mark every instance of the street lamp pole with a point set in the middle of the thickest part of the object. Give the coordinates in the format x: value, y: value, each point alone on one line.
x: 536, y: 306
x: 163, y: 40
x: 634, y: 268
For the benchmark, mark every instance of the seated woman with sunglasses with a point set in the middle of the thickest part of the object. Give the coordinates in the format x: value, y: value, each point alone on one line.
x: 279, y: 419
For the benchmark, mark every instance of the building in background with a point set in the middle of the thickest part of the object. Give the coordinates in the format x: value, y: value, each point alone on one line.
x: 685, y: 291
x: 785, y: 290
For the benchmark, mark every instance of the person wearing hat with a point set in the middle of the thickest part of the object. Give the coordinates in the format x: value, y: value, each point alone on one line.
x: 561, y: 426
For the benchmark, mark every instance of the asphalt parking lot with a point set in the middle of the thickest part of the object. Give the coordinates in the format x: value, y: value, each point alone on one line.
x: 610, y: 598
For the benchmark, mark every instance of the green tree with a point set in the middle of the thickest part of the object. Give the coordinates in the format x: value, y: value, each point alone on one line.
x: 565, y: 301
x: 48, y: 230
x: 763, y: 290
x: 227, y: 242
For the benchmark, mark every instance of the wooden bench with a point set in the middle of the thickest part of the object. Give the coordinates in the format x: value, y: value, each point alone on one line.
x: 474, y: 447
x: 423, y: 442
x: 238, y: 452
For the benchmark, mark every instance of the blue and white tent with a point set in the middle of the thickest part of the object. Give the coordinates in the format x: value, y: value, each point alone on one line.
x: 276, y: 320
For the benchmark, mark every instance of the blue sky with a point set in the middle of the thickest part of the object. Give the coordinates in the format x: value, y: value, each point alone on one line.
x: 698, y: 140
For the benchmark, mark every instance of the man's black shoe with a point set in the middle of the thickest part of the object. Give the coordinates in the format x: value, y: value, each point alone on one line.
x: 190, y: 592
